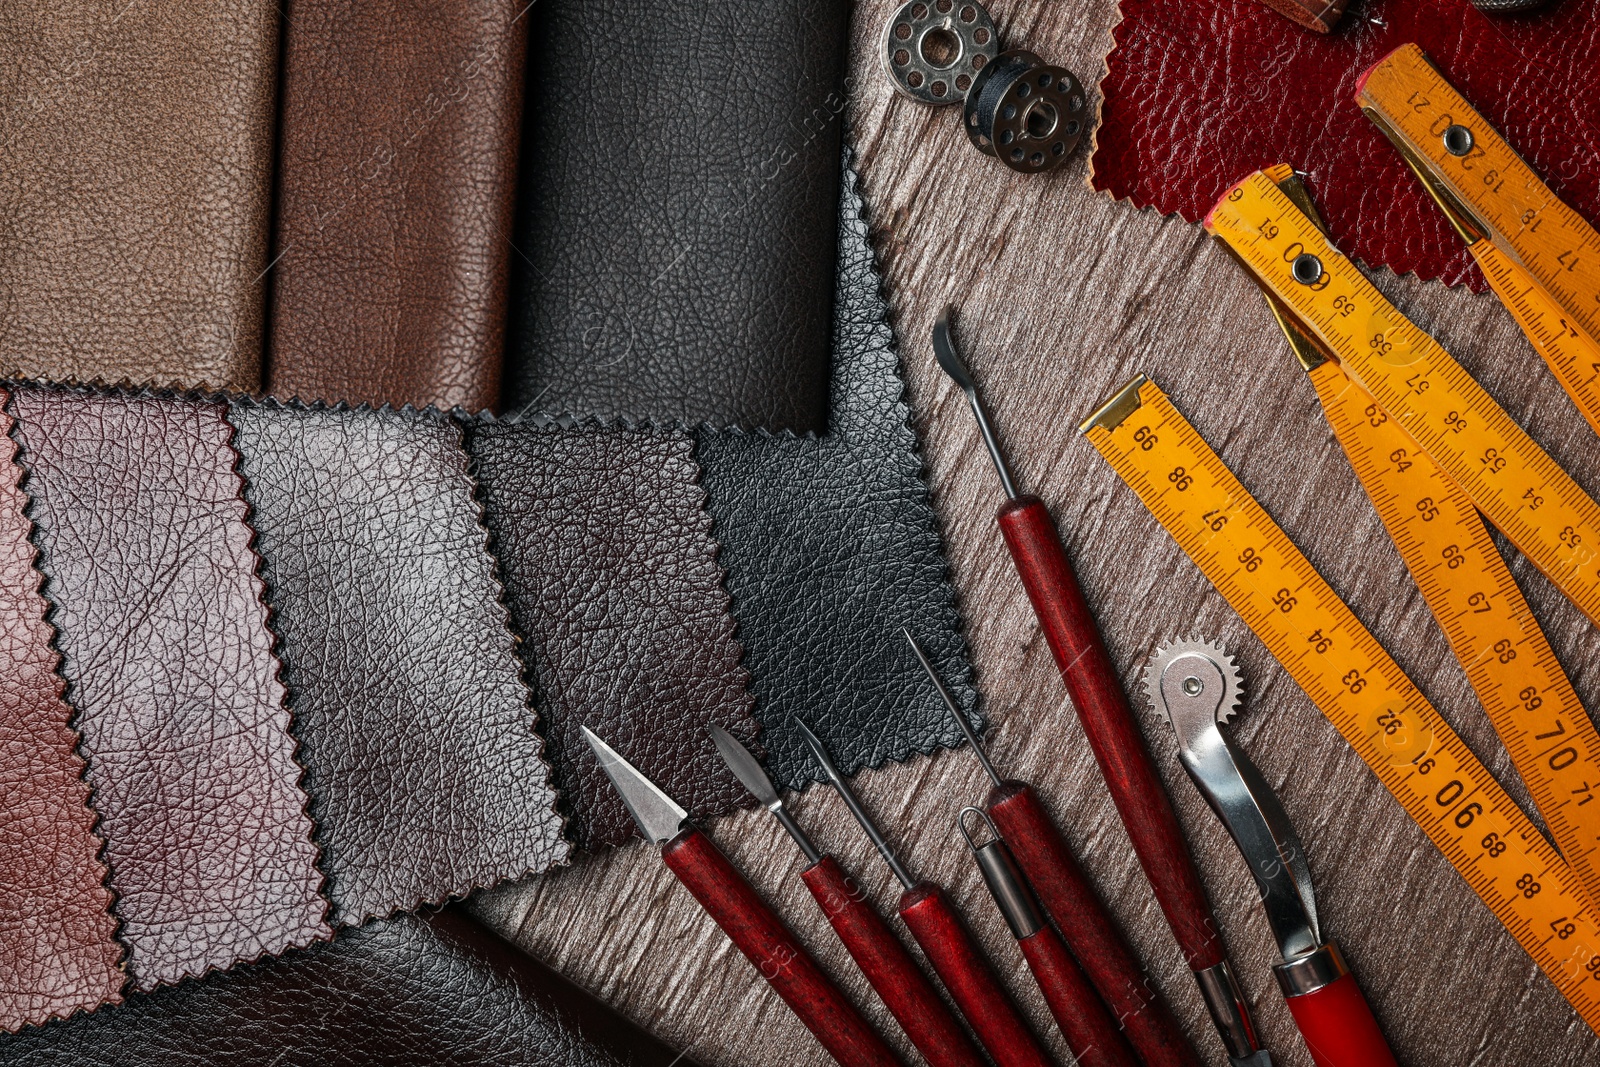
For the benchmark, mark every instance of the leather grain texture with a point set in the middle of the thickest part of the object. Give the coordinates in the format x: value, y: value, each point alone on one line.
x: 831, y: 546
x: 1199, y: 95
x: 675, y: 212
x: 57, y: 951
x: 612, y: 579
x: 396, y: 182
x: 168, y: 659
x: 137, y: 141
x: 422, y: 759
x: 436, y: 989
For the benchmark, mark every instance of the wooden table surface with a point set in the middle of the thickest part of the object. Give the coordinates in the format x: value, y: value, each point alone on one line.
x: 1063, y: 296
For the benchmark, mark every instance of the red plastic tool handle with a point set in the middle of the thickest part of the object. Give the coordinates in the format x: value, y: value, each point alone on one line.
x: 1108, y: 723
x: 910, y: 996
x: 1090, y: 932
x: 766, y: 942
x: 1339, y: 1028
x: 969, y: 978
x: 1092, y: 1036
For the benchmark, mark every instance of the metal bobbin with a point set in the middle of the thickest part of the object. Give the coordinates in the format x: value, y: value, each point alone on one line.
x: 1025, y: 112
x: 933, y: 50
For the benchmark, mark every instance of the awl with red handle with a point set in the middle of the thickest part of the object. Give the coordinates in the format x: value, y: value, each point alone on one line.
x: 888, y: 966
x: 1108, y: 724
x: 747, y: 920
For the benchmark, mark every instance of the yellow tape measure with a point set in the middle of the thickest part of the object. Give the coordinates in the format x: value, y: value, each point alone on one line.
x: 1356, y: 684
x: 1540, y: 256
x: 1509, y: 477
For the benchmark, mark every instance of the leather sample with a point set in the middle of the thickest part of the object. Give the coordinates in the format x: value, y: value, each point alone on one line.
x: 168, y: 660
x: 438, y: 990
x: 422, y: 761
x: 831, y: 546
x: 613, y: 582
x: 675, y: 211
x: 1199, y: 95
x: 138, y: 151
x: 396, y: 179
x: 57, y: 953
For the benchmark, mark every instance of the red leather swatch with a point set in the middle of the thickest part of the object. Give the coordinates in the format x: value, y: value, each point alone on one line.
x: 57, y: 952
x: 168, y: 659
x: 1199, y: 95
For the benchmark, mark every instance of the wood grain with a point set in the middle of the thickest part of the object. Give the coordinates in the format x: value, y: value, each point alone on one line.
x: 1063, y: 295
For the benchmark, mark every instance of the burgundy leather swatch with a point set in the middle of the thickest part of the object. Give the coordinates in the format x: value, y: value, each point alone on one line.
x: 1199, y: 95
x: 57, y: 952
x: 422, y: 759
x: 396, y: 181
x: 613, y: 582
x: 168, y: 660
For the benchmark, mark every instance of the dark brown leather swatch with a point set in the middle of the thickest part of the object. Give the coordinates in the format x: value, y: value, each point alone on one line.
x: 613, y: 582
x: 436, y: 990
x: 168, y: 660
x: 137, y: 140
x: 57, y: 952
x: 396, y: 184
x: 422, y: 759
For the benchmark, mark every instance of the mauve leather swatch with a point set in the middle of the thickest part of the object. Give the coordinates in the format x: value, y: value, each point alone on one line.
x: 422, y: 759
x: 168, y: 659
x: 396, y: 186
x: 613, y: 582
x: 137, y: 140
x: 831, y: 546
x: 57, y: 952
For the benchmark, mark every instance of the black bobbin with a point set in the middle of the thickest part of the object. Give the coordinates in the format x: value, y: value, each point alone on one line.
x: 1025, y: 112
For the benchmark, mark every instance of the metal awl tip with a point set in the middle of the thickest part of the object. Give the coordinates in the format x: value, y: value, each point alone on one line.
x: 955, y: 710
x: 825, y: 759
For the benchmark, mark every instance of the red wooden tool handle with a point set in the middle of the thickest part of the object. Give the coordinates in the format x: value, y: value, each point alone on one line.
x: 1094, y: 1039
x: 1108, y: 723
x: 969, y: 978
x: 1090, y: 932
x: 768, y: 944
x: 909, y: 994
x: 1339, y: 1028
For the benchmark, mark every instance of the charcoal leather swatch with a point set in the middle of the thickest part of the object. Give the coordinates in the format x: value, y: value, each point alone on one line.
x: 434, y: 989
x: 57, y: 952
x: 831, y: 546
x: 613, y: 582
x: 137, y: 140
x: 676, y: 223
x: 396, y: 181
x: 422, y: 759
x: 168, y: 660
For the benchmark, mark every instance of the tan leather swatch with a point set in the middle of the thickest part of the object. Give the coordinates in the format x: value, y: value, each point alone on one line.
x: 57, y: 952
x: 168, y: 658
x: 396, y: 182
x: 137, y: 147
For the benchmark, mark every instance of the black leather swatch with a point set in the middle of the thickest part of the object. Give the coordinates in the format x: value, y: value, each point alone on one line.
x: 831, y: 546
x: 613, y: 582
x: 422, y: 758
x: 676, y: 209
x: 438, y: 990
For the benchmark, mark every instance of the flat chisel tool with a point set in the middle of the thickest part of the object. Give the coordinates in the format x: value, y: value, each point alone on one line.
x: 747, y: 920
x: 905, y: 990
x: 1108, y: 723
x: 944, y: 938
x: 1091, y: 933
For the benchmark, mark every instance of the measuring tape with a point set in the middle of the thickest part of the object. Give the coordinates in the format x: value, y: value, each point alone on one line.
x: 1483, y: 450
x: 1356, y: 684
x: 1540, y: 256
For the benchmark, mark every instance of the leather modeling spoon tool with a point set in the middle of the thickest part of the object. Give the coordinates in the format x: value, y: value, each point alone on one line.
x: 1130, y: 776
x: 944, y: 938
x: 1094, y: 1038
x: 905, y: 990
x: 747, y: 920
x: 1195, y: 686
x: 1040, y: 849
